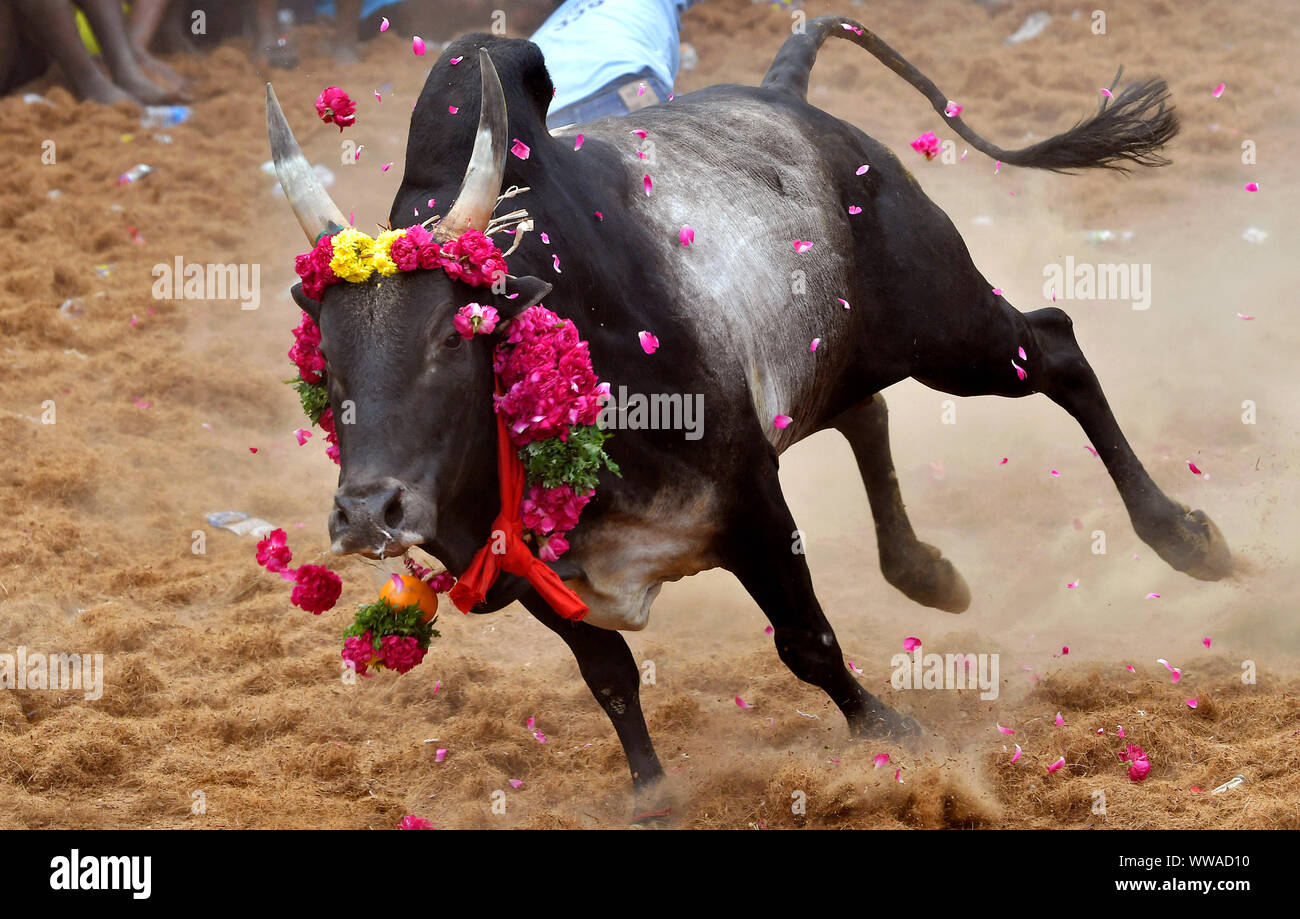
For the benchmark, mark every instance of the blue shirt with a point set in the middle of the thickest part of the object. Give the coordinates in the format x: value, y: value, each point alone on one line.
x: 326, y: 7
x: 588, y: 43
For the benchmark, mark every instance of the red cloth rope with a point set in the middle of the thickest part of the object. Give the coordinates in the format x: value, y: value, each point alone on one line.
x: 472, y: 586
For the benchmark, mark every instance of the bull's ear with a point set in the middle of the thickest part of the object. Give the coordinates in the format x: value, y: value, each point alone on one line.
x: 520, y: 293
x: 307, y: 304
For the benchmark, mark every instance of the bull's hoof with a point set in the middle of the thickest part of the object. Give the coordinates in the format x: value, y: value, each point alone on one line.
x: 880, y: 722
x: 652, y: 805
x: 923, y: 574
x: 1194, y: 546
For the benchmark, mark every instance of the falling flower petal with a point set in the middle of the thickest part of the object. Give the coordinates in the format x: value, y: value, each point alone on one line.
x: 781, y: 421
x: 898, y: 776
x: 1192, y: 466
x: 911, y: 643
x: 687, y: 235
x: 649, y: 341
x: 1021, y: 352
x: 383, y: 26
x: 1244, y: 316
x: 1005, y: 730
x: 997, y: 291
x: 854, y: 669
x: 1119, y: 730
x: 1176, y: 673
x: 1020, y: 371
x: 767, y: 630
x: 1056, y: 765
x: 802, y: 245
x: 1091, y: 450
x: 862, y: 170
x: 252, y: 449
x: 854, y: 209
x: 813, y: 345
x: 952, y: 109
x: 640, y: 133
x: 302, y: 434
x: 577, y: 141
x: 1059, y: 720
x: 1192, y: 703
x: 1107, y: 93
x: 1004, y: 461
x: 1206, y: 642
x: 880, y: 759
x: 385, y: 167
x: 997, y: 167
x: 456, y: 60
x: 555, y: 263
x: 1218, y: 90
x: 1153, y: 596
x: 1055, y: 473
x: 1072, y: 585
x: 539, y: 736
x: 742, y: 703
x: 546, y: 238
x: 514, y: 783
x: 519, y: 149
x: 599, y: 215
x: 417, y: 45
x: 648, y: 184
x: 1252, y: 186
x: 530, y: 723
x: 844, y: 303
x: 1016, y: 756
x: 440, y: 754
x: 452, y: 109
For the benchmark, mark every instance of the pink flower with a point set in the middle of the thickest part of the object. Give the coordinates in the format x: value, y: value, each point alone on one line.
x: 552, y: 547
x: 333, y: 105
x: 316, y: 589
x: 302, y: 434
x: 401, y: 652
x: 273, y: 552
x: 649, y: 341
x: 305, y: 352
x: 520, y: 149
x: 359, y: 651
x: 441, y: 583
x: 880, y: 759
x: 927, y: 145
x: 410, y: 821
x: 1139, y: 765
x: 475, y: 319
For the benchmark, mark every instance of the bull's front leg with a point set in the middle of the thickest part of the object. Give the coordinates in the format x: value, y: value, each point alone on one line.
x: 611, y: 674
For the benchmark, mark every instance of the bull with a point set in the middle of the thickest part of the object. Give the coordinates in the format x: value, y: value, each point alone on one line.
x: 889, y: 288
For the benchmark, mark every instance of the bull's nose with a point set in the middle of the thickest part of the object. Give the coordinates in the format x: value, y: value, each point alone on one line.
x: 371, y: 521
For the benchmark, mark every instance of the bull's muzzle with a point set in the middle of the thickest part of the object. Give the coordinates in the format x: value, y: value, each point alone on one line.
x: 374, y: 520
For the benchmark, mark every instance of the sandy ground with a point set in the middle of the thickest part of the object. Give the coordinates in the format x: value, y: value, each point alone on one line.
x: 215, y: 684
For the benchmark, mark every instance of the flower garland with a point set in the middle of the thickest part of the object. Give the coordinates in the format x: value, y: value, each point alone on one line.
x: 549, y: 399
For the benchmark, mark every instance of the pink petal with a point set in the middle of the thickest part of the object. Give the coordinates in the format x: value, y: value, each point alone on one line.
x: 539, y: 736
x: 514, y: 783
x: 862, y: 170
x: 417, y: 45
x: 997, y: 167
x: 687, y: 235
x: 456, y: 60
x: 1055, y: 474
x: 781, y: 421
x: 1072, y: 585
x: 302, y: 434
x: 1206, y: 642
x: 1065, y: 650
x: 530, y: 723
x: 1119, y: 730
x: 1023, y: 355
x: 648, y: 184
x: 844, y: 303
x: 1252, y: 186
x: 1153, y: 596
x: 378, y: 98
x: 437, y: 684
x: 911, y: 643
x: 1005, y: 730
x: 546, y: 238
x: 1192, y: 703
x: 854, y: 669
x: 997, y: 291
x: 1218, y: 90
x: 640, y: 90
x: 1016, y: 756
x: 1060, y: 722
x: 880, y: 759
x: 385, y: 167
x: 599, y: 215
x: 383, y: 26
x: 1056, y: 765
x: 813, y: 345
x: 952, y: 109
x: 1091, y: 450
x: 1004, y: 461
x: 802, y: 245
x: 1192, y: 466
x: 577, y: 141
x: 440, y: 754
x: 854, y: 209
x: 639, y: 133
x: 1020, y: 371
x: 451, y: 109
x: 742, y: 703
x: 1244, y: 316
x: 1107, y: 93
x: 1174, y: 671
x: 555, y: 263
x: 649, y: 341
x: 898, y: 776
x: 767, y: 630
x: 1130, y: 668
x: 519, y: 149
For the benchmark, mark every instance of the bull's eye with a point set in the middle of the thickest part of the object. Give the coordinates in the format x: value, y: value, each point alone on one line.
x: 453, y: 340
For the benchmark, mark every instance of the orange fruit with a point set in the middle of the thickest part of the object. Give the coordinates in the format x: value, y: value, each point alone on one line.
x: 414, y: 592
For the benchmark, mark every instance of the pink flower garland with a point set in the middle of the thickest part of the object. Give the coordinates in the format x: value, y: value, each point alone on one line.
x: 315, y: 587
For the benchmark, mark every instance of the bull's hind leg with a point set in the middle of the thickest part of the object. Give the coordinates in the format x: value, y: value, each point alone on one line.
x: 916, y: 568
x: 1186, y: 539
x: 759, y: 553
x: 611, y: 674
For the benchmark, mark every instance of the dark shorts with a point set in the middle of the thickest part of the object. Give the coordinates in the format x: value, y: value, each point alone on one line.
x: 608, y: 100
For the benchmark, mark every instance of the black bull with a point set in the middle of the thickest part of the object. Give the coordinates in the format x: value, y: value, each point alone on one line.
x: 752, y: 170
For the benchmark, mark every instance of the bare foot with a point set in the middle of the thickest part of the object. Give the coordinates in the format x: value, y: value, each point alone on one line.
x: 159, y: 72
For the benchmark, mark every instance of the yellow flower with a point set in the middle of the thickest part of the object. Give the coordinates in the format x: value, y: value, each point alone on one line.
x: 353, y: 255
x: 382, y: 257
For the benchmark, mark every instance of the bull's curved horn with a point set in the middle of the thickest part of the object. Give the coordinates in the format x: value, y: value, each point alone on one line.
x: 487, y: 164
x: 312, y: 205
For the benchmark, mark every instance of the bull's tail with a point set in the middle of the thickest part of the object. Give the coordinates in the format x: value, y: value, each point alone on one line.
x: 1129, y: 128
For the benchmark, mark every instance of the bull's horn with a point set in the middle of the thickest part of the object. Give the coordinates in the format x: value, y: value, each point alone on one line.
x: 487, y: 164
x: 312, y: 205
